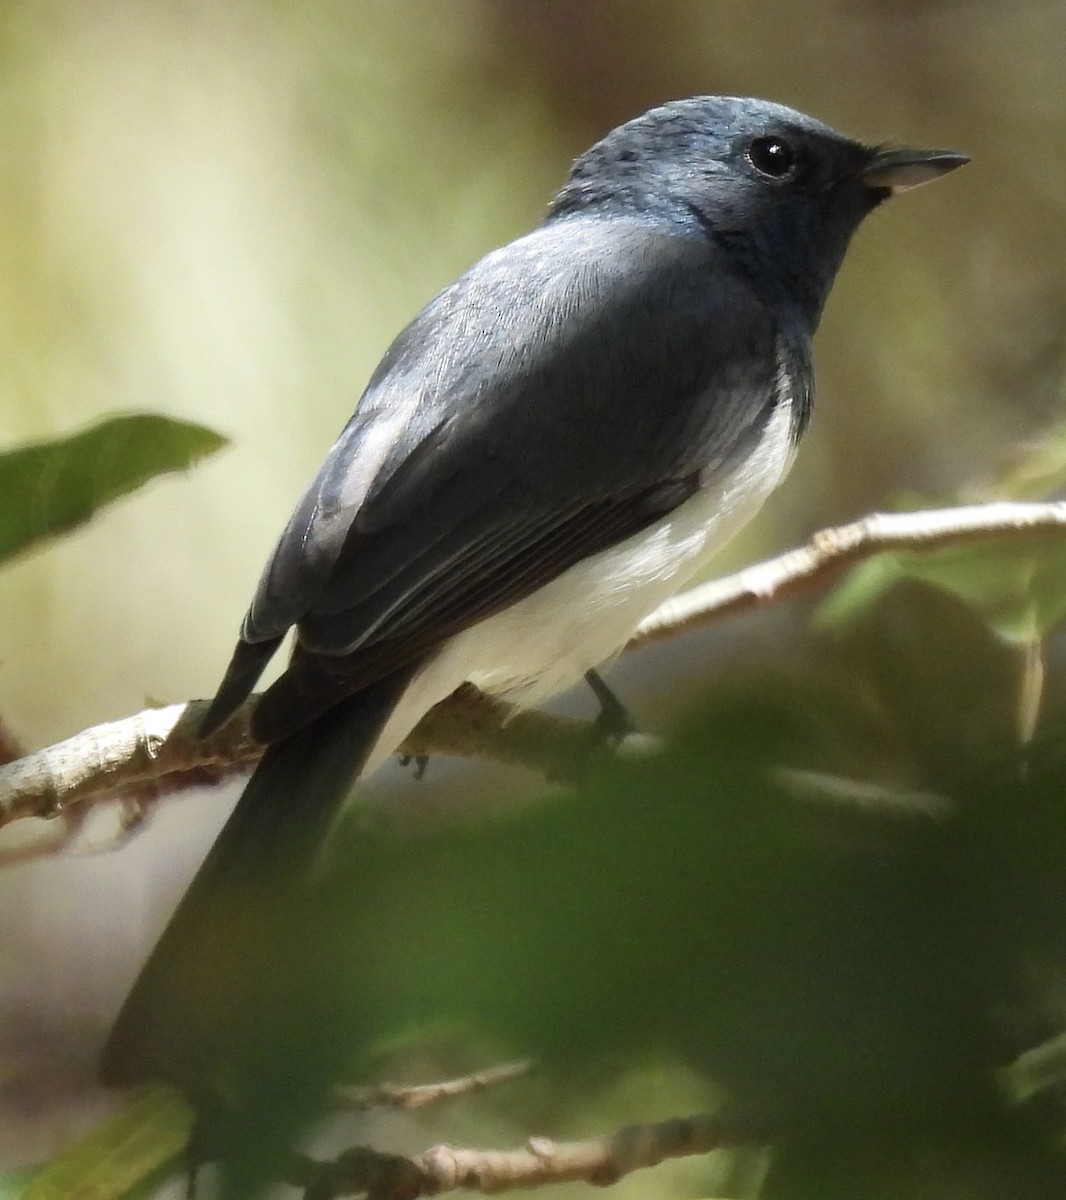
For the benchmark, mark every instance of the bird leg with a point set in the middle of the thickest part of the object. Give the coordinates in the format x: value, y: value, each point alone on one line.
x: 420, y: 761
x: 615, y: 721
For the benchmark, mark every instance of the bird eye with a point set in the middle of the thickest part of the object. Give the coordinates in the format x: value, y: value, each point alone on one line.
x: 772, y: 156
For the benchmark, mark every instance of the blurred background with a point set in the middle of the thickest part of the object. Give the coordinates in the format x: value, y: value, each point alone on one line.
x: 224, y: 212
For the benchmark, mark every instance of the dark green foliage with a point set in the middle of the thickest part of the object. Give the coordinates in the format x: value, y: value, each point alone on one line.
x: 120, y: 1156
x: 855, y: 972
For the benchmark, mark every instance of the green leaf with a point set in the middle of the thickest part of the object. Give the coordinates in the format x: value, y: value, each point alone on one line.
x: 50, y: 487
x: 675, y: 906
x: 1018, y: 586
x: 145, y: 1137
x: 1037, y: 469
x: 13, y: 1183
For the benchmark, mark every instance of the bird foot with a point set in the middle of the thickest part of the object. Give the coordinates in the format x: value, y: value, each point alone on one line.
x: 615, y: 722
x: 420, y: 761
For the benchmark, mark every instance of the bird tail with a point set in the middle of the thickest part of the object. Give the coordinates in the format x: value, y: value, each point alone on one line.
x: 226, y: 942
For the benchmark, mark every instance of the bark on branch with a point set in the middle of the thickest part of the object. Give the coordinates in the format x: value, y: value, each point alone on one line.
x: 392, y: 1095
x: 158, y: 750
x: 832, y: 551
x: 601, y: 1161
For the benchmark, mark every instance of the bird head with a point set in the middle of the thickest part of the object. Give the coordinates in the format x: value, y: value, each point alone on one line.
x: 781, y: 192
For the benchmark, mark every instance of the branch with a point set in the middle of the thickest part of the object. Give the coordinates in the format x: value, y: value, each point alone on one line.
x: 830, y: 552
x: 159, y: 750
x: 600, y: 1161
x: 156, y: 745
x: 391, y: 1095
x: 161, y: 747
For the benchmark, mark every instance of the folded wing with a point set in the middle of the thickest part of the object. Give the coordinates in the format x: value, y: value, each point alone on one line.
x: 546, y: 406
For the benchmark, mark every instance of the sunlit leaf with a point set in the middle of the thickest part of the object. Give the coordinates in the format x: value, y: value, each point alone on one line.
x: 50, y: 487
x: 132, y: 1147
x: 1037, y: 469
x: 13, y: 1183
x: 1019, y: 586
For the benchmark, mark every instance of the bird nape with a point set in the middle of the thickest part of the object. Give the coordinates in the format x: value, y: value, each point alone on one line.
x: 552, y: 446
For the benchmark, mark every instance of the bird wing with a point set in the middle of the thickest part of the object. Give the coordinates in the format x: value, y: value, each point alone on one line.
x: 573, y: 388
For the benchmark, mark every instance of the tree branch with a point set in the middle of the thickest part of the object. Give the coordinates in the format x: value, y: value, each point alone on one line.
x: 162, y: 747
x: 159, y: 751
x: 832, y: 551
x: 392, y: 1095
x: 600, y: 1161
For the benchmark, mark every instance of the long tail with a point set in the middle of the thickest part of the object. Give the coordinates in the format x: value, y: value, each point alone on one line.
x: 217, y: 955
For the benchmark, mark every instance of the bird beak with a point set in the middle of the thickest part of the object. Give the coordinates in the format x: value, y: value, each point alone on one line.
x: 901, y: 170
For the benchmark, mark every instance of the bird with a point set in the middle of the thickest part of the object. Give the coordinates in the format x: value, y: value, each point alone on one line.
x: 551, y: 448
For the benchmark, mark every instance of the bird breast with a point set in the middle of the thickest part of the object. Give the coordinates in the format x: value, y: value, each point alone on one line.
x: 545, y: 643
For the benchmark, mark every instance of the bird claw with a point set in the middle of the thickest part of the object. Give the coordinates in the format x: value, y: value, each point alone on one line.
x: 421, y: 762
x: 615, y: 722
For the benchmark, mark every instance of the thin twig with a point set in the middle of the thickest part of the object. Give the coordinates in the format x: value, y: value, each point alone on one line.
x: 392, y: 1095
x: 832, y: 551
x: 600, y: 1161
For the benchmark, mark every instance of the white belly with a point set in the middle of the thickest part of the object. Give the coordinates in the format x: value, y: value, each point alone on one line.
x: 545, y: 643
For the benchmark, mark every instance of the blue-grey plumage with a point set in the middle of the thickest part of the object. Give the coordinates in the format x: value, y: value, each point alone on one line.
x: 537, y: 413
x: 551, y: 447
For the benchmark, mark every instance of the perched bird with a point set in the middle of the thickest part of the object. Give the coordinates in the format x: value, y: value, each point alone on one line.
x: 556, y: 443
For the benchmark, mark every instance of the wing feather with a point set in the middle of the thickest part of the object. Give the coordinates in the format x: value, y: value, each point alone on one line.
x: 568, y: 391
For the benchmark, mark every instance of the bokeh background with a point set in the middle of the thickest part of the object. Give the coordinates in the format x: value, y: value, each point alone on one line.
x: 224, y: 212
